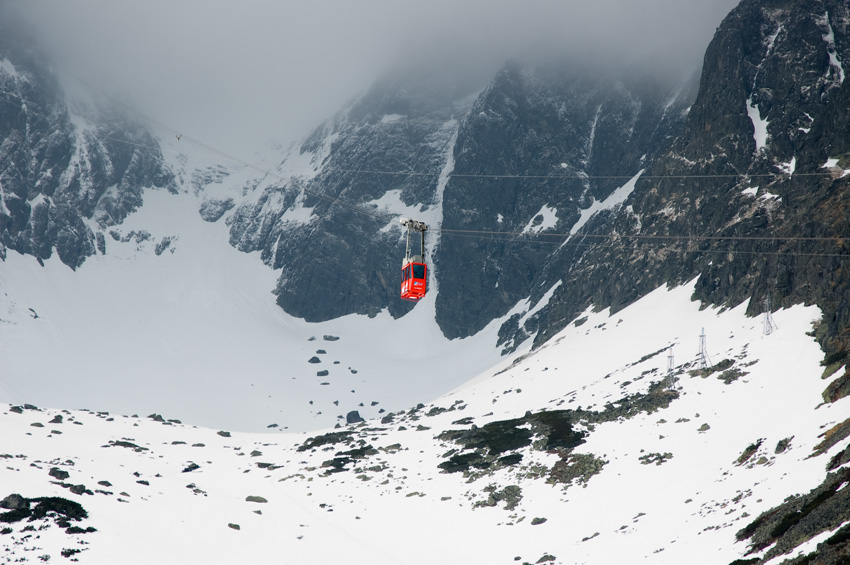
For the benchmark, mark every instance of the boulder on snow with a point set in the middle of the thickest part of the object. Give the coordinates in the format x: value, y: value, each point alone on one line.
x: 14, y: 502
x: 353, y: 417
x: 58, y: 473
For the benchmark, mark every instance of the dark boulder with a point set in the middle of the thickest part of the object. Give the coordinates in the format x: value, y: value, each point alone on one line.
x: 353, y: 417
x: 58, y: 473
x: 14, y: 502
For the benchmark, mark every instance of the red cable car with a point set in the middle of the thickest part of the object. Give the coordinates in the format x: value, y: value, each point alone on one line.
x: 414, y: 270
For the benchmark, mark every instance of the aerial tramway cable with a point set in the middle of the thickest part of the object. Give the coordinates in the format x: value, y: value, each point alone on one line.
x: 505, y: 235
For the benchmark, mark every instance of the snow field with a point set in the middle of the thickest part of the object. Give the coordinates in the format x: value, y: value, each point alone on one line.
x: 397, y: 506
x: 194, y: 333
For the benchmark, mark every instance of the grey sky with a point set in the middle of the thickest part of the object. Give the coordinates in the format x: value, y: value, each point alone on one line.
x: 237, y: 74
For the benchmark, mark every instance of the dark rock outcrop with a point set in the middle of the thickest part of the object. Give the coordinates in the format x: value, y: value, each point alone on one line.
x: 353, y: 417
x: 722, y: 204
x: 68, y: 170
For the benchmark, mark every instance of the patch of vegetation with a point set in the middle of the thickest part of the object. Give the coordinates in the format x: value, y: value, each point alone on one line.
x: 15, y: 515
x: 749, y: 452
x: 510, y: 495
x: 783, y: 445
x: 488, y: 443
x: 834, y: 358
x: 657, y: 458
x: 495, y: 445
x: 831, y: 437
x: 494, y: 438
x: 650, y: 356
x: 838, y: 389
x: 575, y: 467
x: 721, y: 366
x: 345, y: 458
x: 831, y: 369
x: 803, y: 517
x: 731, y: 375
x: 61, y: 510
x: 127, y: 444
x: 840, y: 459
x: 326, y: 439
x: 509, y: 460
x: 463, y: 421
x: 79, y: 530
x: 463, y: 462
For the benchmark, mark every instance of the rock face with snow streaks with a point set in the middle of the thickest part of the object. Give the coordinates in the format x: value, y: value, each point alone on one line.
x: 541, y: 137
x: 761, y: 163
x: 67, y: 170
x: 385, y: 150
x: 449, y: 153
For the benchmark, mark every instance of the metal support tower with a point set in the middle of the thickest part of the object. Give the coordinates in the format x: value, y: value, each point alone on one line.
x: 703, y: 360
x: 768, y: 323
x: 670, y: 381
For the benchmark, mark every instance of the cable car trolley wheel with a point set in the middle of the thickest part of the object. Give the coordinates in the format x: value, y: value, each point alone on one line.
x: 414, y: 270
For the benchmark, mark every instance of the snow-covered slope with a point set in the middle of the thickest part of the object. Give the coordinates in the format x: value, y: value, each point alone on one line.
x: 576, y: 453
x: 172, y: 319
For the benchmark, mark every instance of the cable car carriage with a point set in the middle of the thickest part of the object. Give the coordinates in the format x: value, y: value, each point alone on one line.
x: 414, y: 270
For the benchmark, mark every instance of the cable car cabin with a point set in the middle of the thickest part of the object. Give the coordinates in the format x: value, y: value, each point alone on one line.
x: 414, y: 277
x: 414, y: 271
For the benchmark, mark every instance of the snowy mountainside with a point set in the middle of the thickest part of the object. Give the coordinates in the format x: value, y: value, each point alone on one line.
x: 510, y: 467
x: 541, y: 146
x: 263, y: 293
x: 172, y: 319
x: 435, y: 149
x: 383, y: 157
x: 71, y: 166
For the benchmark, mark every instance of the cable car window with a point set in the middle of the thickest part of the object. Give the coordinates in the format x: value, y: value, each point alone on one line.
x: 418, y: 271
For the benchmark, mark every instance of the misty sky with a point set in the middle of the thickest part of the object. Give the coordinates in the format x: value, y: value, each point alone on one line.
x: 239, y: 74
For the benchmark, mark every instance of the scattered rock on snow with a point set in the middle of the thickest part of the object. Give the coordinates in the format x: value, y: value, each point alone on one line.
x: 58, y: 473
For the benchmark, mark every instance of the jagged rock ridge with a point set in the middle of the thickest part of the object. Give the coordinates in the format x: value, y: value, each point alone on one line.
x: 69, y: 169
x: 760, y: 162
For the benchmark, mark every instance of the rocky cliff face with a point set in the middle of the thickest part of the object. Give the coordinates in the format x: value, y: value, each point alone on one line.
x: 490, y: 168
x: 68, y: 169
x: 539, y: 146
x: 752, y: 196
x: 333, y: 226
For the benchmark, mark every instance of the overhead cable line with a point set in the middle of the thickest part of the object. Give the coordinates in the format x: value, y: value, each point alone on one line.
x: 644, y: 236
x: 482, y: 233
x: 515, y: 234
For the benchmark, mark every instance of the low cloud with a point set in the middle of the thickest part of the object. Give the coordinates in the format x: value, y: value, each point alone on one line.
x: 237, y: 75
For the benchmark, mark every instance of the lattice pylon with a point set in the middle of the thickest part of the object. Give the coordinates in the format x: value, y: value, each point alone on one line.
x: 671, y: 383
x: 768, y: 324
x: 703, y: 360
